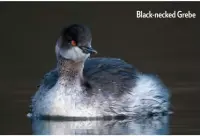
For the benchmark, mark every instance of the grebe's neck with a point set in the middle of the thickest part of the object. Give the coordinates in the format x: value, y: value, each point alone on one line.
x: 70, y: 70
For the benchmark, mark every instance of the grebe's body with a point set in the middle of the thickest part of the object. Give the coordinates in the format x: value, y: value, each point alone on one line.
x: 94, y: 87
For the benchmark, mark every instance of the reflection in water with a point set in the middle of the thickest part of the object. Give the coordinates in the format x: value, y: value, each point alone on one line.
x: 155, y: 125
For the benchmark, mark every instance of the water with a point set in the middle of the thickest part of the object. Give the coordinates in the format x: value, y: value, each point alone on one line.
x: 169, y: 48
x: 98, y: 127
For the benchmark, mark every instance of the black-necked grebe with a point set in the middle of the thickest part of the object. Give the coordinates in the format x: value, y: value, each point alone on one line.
x: 94, y: 87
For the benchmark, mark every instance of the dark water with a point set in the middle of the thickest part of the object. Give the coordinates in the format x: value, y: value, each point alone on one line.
x: 168, y: 47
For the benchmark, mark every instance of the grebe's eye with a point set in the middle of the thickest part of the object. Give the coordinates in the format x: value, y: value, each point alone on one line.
x: 73, y: 43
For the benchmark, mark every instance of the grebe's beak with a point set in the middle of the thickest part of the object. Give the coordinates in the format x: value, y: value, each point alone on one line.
x: 88, y: 49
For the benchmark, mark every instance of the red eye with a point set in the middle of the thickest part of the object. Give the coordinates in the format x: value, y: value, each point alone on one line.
x: 73, y: 43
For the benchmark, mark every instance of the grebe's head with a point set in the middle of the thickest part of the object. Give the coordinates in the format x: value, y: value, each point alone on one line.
x: 75, y: 43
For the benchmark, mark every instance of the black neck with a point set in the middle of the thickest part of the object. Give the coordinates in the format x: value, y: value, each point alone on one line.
x: 69, y: 69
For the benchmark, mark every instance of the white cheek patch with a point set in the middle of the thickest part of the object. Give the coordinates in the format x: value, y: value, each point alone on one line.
x: 74, y: 53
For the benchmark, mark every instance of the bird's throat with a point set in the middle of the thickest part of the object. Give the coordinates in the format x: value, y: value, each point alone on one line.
x: 70, y: 70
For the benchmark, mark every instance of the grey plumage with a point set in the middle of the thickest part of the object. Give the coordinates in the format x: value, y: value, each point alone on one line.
x: 101, y: 73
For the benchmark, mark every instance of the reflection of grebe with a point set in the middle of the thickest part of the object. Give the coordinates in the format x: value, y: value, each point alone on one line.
x: 84, y: 87
x: 149, y: 126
